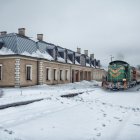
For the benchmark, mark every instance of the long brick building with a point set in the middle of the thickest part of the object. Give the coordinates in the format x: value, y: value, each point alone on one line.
x: 25, y: 62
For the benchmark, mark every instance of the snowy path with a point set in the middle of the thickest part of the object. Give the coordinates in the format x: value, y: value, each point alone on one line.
x: 94, y: 115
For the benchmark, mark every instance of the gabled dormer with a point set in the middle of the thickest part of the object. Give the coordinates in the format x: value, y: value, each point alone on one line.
x: 70, y: 56
x: 45, y: 47
x: 61, y: 54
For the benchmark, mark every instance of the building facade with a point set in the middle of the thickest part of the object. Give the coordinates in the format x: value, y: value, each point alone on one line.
x: 25, y: 62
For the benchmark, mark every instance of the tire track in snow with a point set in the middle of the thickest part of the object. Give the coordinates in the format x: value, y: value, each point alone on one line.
x: 27, y: 116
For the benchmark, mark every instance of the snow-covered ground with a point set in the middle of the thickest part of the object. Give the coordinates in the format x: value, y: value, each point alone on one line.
x: 96, y: 114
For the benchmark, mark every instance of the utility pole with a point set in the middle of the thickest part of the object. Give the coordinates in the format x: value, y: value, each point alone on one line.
x: 111, y: 57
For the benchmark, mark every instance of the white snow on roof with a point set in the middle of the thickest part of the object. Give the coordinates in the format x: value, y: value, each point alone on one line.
x: 5, y: 51
x: 76, y: 62
x: 68, y: 61
x: 92, y: 66
x: 42, y: 55
x: 87, y: 64
x: 38, y: 54
x: 60, y: 59
x: 97, y: 67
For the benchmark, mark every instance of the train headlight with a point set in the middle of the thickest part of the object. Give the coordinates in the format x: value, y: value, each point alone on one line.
x: 124, y: 80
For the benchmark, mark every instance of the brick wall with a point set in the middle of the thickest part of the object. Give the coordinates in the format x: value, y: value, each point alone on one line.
x: 8, y: 72
x: 23, y: 77
x: 58, y: 66
x: 14, y: 72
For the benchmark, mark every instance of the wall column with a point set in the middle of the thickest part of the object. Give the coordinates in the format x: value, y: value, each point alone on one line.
x: 17, y: 73
x: 40, y: 72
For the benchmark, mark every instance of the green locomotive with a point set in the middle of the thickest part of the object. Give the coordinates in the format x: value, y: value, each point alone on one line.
x: 121, y: 75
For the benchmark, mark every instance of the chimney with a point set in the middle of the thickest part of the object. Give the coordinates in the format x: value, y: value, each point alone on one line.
x: 79, y: 50
x: 3, y: 33
x: 21, y: 31
x: 40, y: 37
x: 92, y: 56
x: 86, y: 52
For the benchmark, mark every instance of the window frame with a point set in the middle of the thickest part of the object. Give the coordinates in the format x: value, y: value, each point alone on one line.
x: 61, y: 75
x: 55, y: 74
x: 1, y: 72
x: 47, y: 73
x: 30, y: 79
x: 66, y: 75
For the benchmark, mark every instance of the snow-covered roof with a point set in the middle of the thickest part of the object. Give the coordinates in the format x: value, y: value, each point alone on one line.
x: 19, y: 44
x: 92, y: 66
x: 5, y: 51
x: 69, y: 61
x: 60, y: 59
x: 76, y: 62
x: 14, y: 43
x: 38, y: 54
x: 87, y: 64
x: 43, y: 46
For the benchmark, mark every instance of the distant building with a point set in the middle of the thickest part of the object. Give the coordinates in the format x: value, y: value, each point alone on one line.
x: 25, y: 62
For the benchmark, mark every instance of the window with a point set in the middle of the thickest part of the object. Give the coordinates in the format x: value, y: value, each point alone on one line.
x: 60, y: 74
x: 66, y: 74
x: 55, y: 74
x: 0, y: 71
x: 47, y: 73
x: 29, y: 72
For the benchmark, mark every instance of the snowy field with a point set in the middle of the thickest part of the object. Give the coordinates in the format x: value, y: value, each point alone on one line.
x: 96, y: 114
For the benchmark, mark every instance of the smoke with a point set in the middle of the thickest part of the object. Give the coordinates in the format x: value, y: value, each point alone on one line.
x: 120, y: 56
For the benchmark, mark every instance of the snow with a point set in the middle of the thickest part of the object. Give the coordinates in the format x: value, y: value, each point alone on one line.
x: 92, y: 66
x: 76, y: 62
x: 38, y: 54
x: 60, y: 59
x: 87, y: 64
x: 69, y: 61
x: 97, y: 114
x: 5, y: 51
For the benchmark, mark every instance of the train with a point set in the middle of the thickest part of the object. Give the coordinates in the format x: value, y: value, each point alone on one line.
x: 121, y: 75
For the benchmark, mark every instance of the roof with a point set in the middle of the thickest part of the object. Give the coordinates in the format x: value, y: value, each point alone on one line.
x: 18, y: 44
x: 43, y: 46
x: 117, y: 61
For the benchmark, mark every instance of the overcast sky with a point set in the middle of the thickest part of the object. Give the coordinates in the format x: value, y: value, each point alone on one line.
x: 104, y: 27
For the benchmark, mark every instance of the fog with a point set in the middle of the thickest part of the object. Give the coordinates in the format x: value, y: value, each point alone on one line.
x: 104, y: 27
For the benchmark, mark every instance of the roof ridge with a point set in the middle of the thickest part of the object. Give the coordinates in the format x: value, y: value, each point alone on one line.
x: 46, y: 43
